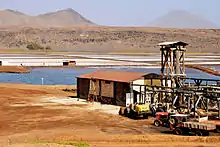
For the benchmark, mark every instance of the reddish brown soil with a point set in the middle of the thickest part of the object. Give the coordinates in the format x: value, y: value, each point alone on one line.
x: 23, y: 125
x: 14, y: 69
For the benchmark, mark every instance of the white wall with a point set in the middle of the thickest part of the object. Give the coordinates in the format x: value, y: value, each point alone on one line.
x: 169, y: 83
x: 137, y: 88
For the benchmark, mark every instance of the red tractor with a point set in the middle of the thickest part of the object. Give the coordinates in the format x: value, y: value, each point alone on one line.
x: 162, y: 118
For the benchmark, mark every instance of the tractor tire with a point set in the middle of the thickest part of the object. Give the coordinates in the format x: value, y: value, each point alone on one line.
x: 132, y: 114
x: 157, y: 123
x: 206, y: 133
x: 145, y: 116
x: 178, y: 131
x: 127, y: 112
x: 121, y: 111
x: 172, y: 121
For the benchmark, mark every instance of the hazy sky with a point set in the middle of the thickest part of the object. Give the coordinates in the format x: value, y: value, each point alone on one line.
x: 119, y: 12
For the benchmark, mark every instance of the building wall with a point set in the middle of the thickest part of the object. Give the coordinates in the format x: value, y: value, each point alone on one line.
x: 107, y: 89
x: 153, y: 82
x: 140, y: 97
x: 83, y: 88
x: 94, y: 87
x: 145, y: 97
x: 120, y: 93
x: 169, y: 83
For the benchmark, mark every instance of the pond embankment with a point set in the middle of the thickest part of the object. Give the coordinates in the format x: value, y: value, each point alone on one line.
x: 14, y: 69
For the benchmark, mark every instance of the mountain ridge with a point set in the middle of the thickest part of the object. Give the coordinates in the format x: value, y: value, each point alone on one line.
x: 60, y: 18
x: 182, y: 19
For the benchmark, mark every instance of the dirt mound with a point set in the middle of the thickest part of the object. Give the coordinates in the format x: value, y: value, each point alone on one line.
x: 62, y: 18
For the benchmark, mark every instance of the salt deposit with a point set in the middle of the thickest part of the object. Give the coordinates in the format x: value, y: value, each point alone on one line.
x: 110, y: 109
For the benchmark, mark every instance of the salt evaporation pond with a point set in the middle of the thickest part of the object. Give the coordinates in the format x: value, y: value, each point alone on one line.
x: 67, y: 76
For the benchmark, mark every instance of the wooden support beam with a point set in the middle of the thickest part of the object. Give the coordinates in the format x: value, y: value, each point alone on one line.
x: 194, y: 101
x: 188, y: 104
x: 207, y: 105
x: 219, y: 109
x: 145, y: 93
x: 140, y: 95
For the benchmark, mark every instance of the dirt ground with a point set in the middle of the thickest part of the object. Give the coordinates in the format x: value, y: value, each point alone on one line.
x: 13, y: 69
x: 27, y: 120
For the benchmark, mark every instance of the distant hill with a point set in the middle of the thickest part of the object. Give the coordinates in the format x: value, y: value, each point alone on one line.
x: 182, y: 19
x: 62, y: 18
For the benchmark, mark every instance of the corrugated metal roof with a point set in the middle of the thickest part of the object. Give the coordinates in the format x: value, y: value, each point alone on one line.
x: 118, y: 76
x: 172, y: 43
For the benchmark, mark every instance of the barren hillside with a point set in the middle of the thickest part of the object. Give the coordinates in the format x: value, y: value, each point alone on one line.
x: 106, y: 39
x: 62, y: 18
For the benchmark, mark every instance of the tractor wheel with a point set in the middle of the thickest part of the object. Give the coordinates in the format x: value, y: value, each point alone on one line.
x: 156, y: 123
x: 178, y: 131
x: 121, y: 111
x: 173, y: 121
x: 126, y: 112
x: 145, y: 116
x: 206, y: 133
x: 132, y: 114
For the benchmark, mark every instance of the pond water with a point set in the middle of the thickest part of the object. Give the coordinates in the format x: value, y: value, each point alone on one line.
x: 67, y: 76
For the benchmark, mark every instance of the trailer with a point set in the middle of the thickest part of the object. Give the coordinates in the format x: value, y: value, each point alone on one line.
x: 197, y: 128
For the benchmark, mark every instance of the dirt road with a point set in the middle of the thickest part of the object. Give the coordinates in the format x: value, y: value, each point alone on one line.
x: 26, y: 120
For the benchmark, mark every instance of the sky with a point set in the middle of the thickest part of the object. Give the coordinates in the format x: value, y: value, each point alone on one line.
x: 118, y: 12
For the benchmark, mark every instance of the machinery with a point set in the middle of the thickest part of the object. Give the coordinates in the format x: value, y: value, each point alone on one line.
x: 176, y: 119
x: 157, y: 108
x: 190, y: 127
x: 182, y: 124
x: 162, y: 118
x: 136, y: 110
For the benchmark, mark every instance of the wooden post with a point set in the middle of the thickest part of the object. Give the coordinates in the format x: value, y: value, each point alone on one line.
x: 145, y: 93
x: 140, y: 99
x: 218, y: 109
x: 194, y: 105
x: 177, y: 62
x: 207, y: 106
x: 171, y: 62
x: 131, y: 93
x: 162, y: 61
x: 188, y: 106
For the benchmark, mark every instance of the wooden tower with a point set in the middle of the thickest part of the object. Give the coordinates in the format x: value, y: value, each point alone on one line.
x: 172, y: 60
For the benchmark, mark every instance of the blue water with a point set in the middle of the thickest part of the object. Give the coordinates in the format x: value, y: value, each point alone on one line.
x: 67, y: 76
